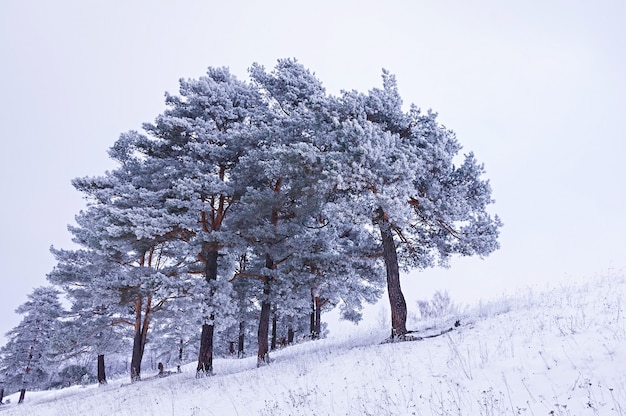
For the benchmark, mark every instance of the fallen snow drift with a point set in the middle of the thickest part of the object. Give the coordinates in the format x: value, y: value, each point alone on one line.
x: 562, y: 352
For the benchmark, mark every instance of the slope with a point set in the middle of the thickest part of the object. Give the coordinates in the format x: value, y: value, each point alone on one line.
x: 560, y: 352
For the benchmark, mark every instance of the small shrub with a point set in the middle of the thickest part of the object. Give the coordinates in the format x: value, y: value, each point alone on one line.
x: 72, y: 375
x: 438, y: 307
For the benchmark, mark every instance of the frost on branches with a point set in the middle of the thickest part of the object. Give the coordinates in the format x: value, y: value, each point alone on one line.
x: 247, y: 208
x: 399, y: 174
x: 28, y: 360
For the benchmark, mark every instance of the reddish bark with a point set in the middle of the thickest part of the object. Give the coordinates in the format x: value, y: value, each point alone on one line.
x: 141, y: 336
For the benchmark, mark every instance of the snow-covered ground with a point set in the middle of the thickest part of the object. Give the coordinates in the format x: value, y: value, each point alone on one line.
x: 562, y: 352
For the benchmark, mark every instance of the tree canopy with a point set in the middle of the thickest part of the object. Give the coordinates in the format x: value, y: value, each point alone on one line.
x: 268, y: 199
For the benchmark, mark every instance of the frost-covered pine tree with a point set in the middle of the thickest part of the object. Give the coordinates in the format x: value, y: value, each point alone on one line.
x: 27, y: 360
x: 281, y: 180
x: 343, y: 270
x: 192, y: 148
x: 295, y: 249
x: 92, y: 324
x: 400, y: 174
x: 175, y: 336
x: 139, y: 258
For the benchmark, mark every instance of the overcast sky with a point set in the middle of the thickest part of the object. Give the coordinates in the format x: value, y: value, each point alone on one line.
x: 537, y: 89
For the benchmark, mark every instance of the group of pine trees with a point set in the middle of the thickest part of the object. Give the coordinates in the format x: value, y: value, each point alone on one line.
x: 251, y: 207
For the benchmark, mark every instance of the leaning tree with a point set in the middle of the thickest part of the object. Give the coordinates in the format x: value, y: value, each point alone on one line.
x: 400, y: 173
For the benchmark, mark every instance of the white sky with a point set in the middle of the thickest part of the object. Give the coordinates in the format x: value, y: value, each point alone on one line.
x: 537, y: 89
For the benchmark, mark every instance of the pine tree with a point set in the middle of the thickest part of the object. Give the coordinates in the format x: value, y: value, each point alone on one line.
x: 292, y: 244
x: 270, y: 197
x: 192, y: 147
x: 89, y: 327
x: 28, y: 359
x: 281, y: 178
x: 400, y: 174
x: 132, y: 262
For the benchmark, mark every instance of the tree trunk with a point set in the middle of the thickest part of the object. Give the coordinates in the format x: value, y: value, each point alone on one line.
x: 264, y: 321
x: 240, y: 343
x: 318, y: 316
x: 25, y: 377
x: 102, y: 377
x: 1, y: 395
x: 274, y: 322
x: 139, y: 340
x: 289, y: 336
x: 180, y: 356
x: 312, y: 324
x: 135, y: 362
x: 396, y: 298
x: 205, y: 356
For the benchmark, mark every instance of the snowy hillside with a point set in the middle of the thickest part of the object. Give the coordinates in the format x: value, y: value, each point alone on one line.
x: 562, y: 352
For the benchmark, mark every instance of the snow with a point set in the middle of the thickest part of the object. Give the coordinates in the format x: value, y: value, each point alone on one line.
x: 559, y: 352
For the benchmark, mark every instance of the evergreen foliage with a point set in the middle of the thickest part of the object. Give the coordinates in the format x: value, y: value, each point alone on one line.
x: 28, y: 360
x: 252, y: 207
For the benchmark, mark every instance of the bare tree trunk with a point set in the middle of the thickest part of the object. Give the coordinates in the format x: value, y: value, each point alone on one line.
x: 264, y: 321
x: 139, y: 340
x: 26, y: 373
x: 135, y: 362
x: 141, y: 336
x: 312, y: 324
x: 290, y: 336
x: 318, y: 316
x: 396, y: 298
x: 274, y: 322
x: 1, y: 395
x: 240, y: 343
x: 102, y: 377
x: 180, y: 356
x: 205, y: 356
